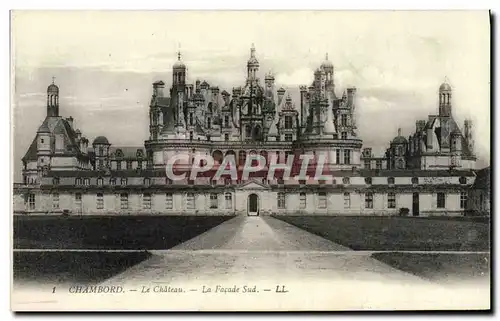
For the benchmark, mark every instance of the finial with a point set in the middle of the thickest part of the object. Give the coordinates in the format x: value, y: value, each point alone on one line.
x: 399, y: 131
x: 53, y: 79
x: 179, y: 52
x: 326, y: 56
x: 252, y: 51
x: 446, y: 79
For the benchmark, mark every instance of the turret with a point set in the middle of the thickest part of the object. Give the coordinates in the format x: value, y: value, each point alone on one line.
x: 178, y: 72
x: 52, y: 100
x: 252, y: 65
x: 445, y: 100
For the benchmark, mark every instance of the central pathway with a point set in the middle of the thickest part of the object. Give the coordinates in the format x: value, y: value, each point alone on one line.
x: 266, y: 253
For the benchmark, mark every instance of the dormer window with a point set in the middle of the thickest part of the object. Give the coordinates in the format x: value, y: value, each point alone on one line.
x: 462, y: 180
x: 346, y: 180
x: 390, y: 180
x: 368, y: 180
x: 414, y: 180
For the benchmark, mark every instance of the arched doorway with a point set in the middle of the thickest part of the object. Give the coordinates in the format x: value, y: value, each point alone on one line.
x: 253, y: 205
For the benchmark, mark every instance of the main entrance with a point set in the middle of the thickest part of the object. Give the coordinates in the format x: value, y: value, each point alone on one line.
x: 253, y: 205
x: 416, y: 204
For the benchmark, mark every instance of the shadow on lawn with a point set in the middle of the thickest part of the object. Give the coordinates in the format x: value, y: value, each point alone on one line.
x: 72, y: 267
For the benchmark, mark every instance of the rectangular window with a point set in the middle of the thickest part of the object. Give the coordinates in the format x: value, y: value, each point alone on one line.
x: 226, y: 137
x: 169, y: 201
x: 101, y: 163
x: 303, y: 200
x: 391, y: 200
x: 100, y: 201
x: 337, y: 156
x: 378, y: 164
x: 281, y: 201
x: 288, y: 122
x: 139, y: 165
x: 322, y: 200
x: 347, y: 157
x: 347, y: 200
x: 118, y: 165
x: 343, y: 135
x: 190, y: 201
x: 463, y: 200
x: 214, y: 200
x: 441, y: 200
x: 124, y: 201
x: 129, y: 165
x: 226, y: 121
x: 367, y: 164
x: 288, y: 137
x: 123, y: 181
x: 229, y: 201
x: 369, y: 200
x: 343, y: 120
x: 146, y: 201
x: 55, y: 201
x: 31, y: 201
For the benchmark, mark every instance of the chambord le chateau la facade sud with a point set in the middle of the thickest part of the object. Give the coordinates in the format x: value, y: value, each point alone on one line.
x: 428, y: 173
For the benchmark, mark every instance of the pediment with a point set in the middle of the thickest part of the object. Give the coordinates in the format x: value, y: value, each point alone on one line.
x: 254, y: 185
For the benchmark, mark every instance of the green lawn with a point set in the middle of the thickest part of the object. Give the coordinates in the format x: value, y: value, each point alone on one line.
x: 386, y: 233
x: 109, y: 232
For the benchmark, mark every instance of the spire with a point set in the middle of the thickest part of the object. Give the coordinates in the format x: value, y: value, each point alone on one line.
x: 53, y: 79
x: 399, y: 131
x: 252, y: 51
x: 179, y: 52
x: 326, y: 56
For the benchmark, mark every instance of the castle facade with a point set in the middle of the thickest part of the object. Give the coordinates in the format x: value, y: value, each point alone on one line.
x: 430, y: 172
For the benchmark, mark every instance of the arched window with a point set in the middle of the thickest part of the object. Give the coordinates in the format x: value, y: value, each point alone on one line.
x: 55, y: 181
x: 368, y: 180
x: 414, y: 180
x: 119, y: 153
x: 99, y: 181
x: 147, y: 181
x: 248, y: 132
x: 78, y: 181
x: 390, y: 180
x: 462, y: 180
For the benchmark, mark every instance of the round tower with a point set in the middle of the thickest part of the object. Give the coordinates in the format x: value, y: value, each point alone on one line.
x: 52, y: 100
x: 445, y: 94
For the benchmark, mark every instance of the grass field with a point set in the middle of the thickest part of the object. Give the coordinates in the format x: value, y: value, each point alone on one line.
x: 72, y: 267
x: 441, y: 267
x: 385, y: 233
x: 109, y: 232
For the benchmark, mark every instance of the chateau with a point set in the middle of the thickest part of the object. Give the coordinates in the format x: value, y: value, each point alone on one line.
x: 430, y: 172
